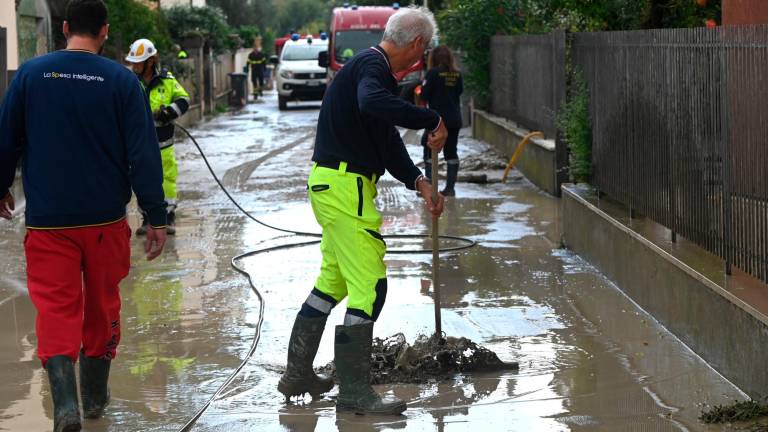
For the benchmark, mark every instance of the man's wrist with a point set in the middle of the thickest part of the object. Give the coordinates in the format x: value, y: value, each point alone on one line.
x: 419, y: 180
x: 439, y: 122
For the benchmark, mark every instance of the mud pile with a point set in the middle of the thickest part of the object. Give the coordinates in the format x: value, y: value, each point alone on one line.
x: 394, y: 360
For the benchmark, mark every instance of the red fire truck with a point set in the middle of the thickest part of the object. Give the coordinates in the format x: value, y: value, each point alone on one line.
x: 355, y: 28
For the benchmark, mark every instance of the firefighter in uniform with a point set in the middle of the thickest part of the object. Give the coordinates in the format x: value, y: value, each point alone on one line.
x: 168, y: 101
x: 257, y: 62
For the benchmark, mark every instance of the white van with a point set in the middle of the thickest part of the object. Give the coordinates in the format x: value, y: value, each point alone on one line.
x: 299, y: 78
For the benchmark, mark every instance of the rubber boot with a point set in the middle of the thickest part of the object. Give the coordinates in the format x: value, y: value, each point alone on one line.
x: 450, y: 183
x: 61, y: 375
x: 142, y: 230
x: 353, y: 367
x: 94, y: 391
x: 299, y: 377
x: 171, y: 228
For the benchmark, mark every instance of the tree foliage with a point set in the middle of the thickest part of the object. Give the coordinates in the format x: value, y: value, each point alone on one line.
x: 301, y: 15
x: 584, y: 15
x: 130, y: 20
x: 605, y: 15
x: 468, y: 27
x: 239, y: 13
x: 209, y: 22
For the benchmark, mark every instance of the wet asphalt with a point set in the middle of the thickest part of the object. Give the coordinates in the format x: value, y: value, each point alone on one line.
x: 590, y: 359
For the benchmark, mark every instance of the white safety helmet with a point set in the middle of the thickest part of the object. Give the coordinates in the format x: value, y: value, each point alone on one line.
x: 141, y: 50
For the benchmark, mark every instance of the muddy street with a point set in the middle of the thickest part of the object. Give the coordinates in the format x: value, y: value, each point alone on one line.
x: 590, y: 359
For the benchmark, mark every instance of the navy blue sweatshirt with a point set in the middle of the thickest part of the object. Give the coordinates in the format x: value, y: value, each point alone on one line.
x: 82, y: 127
x: 441, y: 90
x: 358, y: 117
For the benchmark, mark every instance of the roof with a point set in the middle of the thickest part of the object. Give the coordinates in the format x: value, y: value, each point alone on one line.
x: 361, y: 18
x: 305, y: 41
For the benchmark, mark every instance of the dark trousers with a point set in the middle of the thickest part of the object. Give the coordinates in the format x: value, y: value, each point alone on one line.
x: 257, y: 77
x: 450, y: 151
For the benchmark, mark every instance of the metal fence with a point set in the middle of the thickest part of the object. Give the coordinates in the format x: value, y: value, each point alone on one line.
x: 528, y: 79
x: 680, y: 123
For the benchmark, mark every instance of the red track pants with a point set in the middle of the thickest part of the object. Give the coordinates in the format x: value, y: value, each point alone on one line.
x: 73, y: 276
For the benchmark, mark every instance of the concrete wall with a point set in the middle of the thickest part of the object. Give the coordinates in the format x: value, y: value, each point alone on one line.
x: 537, y: 161
x: 726, y: 332
x: 745, y: 12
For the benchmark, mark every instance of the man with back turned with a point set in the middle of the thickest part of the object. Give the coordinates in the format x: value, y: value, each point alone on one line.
x: 81, y: 125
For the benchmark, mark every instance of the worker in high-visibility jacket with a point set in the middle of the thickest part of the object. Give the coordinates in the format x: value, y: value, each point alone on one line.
x: 168, y: 100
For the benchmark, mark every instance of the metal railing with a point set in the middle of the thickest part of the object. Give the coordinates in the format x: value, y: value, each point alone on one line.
x: 679, y: 123
x: 528, y: 79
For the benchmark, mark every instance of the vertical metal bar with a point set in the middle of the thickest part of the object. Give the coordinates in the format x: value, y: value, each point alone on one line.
x: 725, y: 155
x: 761, y: 161
x: 696, y: 155
x: 558, y: 97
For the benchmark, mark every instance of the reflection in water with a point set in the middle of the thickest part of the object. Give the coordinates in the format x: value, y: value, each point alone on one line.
x: 158, y: 304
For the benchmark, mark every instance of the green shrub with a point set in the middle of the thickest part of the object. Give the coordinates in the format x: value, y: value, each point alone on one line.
x: 209, y: 22
x: 130, y: 20
x: 738, y: 411
x: 574, y: 124
x: 248, y: 34
x: 468, y: 26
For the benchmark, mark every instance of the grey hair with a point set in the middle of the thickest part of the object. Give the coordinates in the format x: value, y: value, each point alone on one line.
x: 409, y: 23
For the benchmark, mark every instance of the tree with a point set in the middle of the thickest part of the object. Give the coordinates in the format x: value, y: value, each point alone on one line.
x: 130, y: 20
x: 468, y: 26
x: 208, y: 21
x: 239, y: 13
x: 680, y: 13
x: 301, y: 15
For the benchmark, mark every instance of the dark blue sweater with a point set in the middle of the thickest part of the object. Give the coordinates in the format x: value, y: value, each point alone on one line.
x: 358, y: 118
x: 82, y: 127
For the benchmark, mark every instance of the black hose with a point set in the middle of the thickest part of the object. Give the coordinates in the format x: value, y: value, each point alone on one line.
x: 468, y: 243
x: 259, y: 323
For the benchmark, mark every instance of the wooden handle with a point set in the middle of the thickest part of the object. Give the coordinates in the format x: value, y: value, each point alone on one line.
x: 435, y: 251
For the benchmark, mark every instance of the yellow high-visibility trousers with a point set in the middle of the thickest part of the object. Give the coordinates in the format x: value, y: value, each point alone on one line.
x: 352, y: 247
x: 170, y: 173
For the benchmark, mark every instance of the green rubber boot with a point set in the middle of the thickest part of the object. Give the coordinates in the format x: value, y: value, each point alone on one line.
x: 299, y: 377
x: 353, y: 367
x: 61, y: 375
x: 94, y: 391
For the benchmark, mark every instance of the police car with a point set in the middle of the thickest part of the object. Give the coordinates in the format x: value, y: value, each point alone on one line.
x: 299, y: 78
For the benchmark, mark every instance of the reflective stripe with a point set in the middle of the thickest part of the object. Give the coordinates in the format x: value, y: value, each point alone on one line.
x: 167, y: 143
x: 452, y: 161
x: 316, y: 302
x: 350, y: 320
x: 176, y: 109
